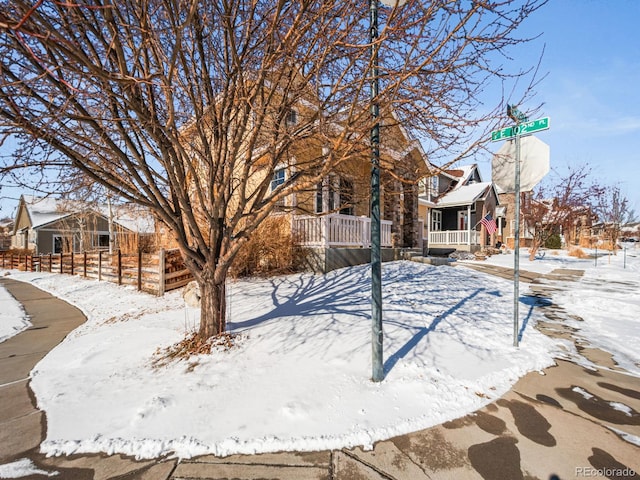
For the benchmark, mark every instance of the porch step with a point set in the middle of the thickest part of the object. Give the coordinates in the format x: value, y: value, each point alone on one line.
x: 440, y: 252
x: 432, y: 260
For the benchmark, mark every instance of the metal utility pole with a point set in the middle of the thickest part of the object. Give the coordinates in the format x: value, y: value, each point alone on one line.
x: 376, y: 253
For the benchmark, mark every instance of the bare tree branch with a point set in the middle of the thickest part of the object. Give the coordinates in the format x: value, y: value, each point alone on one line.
x: 183, y: 106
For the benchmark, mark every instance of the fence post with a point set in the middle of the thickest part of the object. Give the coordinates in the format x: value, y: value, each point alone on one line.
x: 73, y: 267
x: 161, y: 272
x: 139, y: 269
x: 119, y: 267
x: 50, y: 263
x: 100, y: 266
x: 61, y: 262
x: 84, y: 265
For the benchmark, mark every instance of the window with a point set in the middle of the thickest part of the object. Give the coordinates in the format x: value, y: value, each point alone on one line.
x: 346, y: 196
x: 278, y: 178
x: 436, y: 220
x: 434, y: 185
x: 102, y: 241
x: 422, y: 186
x: 292, y: 118
x: 319, y: 206
x: 57, y: 244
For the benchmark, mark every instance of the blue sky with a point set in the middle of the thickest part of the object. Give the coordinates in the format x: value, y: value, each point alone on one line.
x: 592, y: 88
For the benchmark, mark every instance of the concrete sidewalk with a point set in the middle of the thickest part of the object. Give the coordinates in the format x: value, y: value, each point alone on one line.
x: 568, y: 422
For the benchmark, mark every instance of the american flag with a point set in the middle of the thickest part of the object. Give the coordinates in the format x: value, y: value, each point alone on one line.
x: 489, y: 223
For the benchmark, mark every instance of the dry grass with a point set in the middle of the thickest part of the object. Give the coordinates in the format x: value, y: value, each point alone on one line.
x: 192, y: 345
x: 578, y: 253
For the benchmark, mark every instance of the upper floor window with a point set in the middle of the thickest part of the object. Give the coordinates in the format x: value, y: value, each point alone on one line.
x: 422, y: 186
x: 434, y: 185
x: 278, y: 178
x: 292, y: 118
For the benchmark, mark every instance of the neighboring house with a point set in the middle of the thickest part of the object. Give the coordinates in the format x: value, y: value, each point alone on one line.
x: 6, y: 229
x: 542, y: 218
x: 49, y: 225
x: 452, y: 204
x: 630, y: 231
x: 507, y: 225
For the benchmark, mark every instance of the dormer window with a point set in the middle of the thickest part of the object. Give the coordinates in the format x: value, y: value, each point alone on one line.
x: 434, y: 186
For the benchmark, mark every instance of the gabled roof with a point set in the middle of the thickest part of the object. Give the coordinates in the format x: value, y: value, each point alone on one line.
x: 44, y: 211
x: 464, y: 195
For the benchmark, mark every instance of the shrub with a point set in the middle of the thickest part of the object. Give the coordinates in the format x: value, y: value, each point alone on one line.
x: 578, y: 252
x: 554, y: 242
x: 270, y: 250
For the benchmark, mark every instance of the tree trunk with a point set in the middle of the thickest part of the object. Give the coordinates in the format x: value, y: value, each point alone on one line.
x: 213, y: 307
x: 535, y: 246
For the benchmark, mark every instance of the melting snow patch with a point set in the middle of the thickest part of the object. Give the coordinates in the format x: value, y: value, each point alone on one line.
x: 582, y: 392
x: 621, y: 407
x: 626, y: 436
x: 22, y: 468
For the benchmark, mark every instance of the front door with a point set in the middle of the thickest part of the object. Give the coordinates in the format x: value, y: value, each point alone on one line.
x: 463, y: 220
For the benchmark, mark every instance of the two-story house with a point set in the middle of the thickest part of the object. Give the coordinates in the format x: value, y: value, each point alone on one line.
x: 452, y: 204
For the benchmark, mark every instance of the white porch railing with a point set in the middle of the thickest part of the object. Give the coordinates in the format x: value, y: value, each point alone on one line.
x: 454, y: 237
x: 336, y: 230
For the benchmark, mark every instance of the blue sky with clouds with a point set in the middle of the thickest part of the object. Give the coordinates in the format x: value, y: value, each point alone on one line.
x: 592, y: 88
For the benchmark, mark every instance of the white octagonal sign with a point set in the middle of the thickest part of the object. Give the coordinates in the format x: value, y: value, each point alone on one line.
x: 534, y: 164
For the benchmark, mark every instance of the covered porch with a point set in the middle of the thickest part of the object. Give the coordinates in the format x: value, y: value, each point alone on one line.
x: 468, y: 240
x: 337, y: 230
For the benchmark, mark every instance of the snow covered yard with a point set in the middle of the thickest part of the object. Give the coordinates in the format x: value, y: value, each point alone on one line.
x: 606, y: 297
x: 299, y: 378
x: 12, y: 317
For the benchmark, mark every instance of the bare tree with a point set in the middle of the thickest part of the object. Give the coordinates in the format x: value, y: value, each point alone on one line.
x: 563, y: 207
x: 613, y: 210
x: 189, y: 107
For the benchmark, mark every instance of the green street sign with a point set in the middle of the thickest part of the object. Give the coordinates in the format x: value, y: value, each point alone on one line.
x: 522, y: 129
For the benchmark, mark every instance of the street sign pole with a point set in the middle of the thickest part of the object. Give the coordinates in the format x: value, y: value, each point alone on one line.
x: 516, y: 256
x: 519, y: 117
x: 523, y: 127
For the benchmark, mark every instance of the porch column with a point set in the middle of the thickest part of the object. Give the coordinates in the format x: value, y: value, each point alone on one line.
x: 469, y: 225
x: 324, y: 230
x: 483, y: 231
x: 429, y: 226
x: 325, y: 194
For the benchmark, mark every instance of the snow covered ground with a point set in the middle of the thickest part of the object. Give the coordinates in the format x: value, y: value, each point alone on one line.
x: 299, y: 377
x: 13, y: 320
x: 607, y: 298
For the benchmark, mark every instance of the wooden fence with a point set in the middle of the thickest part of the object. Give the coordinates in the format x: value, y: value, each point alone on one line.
x: 149, y: 272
